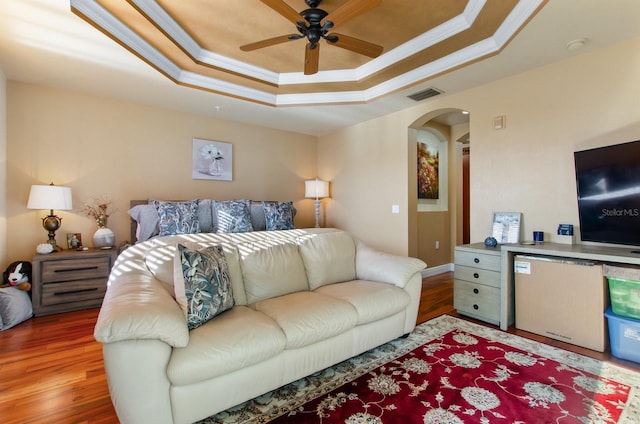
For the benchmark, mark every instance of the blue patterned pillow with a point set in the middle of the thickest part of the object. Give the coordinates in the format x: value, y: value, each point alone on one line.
x: 177, y: 217
x: 204, y: 290
x: 233, y: 216
x: 278, y: 215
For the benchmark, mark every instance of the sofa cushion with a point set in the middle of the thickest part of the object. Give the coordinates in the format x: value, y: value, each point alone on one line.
x: 308, y: 317
x: 233, y: 216
x: 374, y: 265
x: 329, y: 258
x: 372, y: 300
x: 202, y: 283
x: 234, y: 339
x: 270, y: 270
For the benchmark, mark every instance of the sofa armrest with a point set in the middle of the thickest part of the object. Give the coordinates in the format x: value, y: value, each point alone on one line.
x: 136, y: 307
x: 374, y: 265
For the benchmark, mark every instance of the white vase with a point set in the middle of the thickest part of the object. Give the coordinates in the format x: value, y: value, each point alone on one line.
x: 104, y: 237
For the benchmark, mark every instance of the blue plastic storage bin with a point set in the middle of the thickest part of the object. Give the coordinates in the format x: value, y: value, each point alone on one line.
x: 624, y: 336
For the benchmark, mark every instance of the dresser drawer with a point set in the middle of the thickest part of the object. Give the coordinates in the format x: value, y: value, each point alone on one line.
x: 477, y: 275
x: 477, y: 260
x: 74, y: 291
x: 476, y: 299
x: 75, y: 269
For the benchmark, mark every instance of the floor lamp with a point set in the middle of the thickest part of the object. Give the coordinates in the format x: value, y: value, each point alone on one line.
x: 316, y: 189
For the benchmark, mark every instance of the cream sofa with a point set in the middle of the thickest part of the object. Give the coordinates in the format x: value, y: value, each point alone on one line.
x: 304, y: 300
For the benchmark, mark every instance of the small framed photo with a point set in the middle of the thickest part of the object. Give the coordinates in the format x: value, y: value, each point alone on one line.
x: 74, y: 241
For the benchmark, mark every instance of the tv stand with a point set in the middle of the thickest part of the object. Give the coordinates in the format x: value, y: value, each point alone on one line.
x: 609, y: 255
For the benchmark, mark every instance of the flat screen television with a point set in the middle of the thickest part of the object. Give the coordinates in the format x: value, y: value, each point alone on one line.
x: 608, y: 185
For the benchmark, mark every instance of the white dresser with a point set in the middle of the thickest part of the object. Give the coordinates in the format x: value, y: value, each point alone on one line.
x: 476, y: 287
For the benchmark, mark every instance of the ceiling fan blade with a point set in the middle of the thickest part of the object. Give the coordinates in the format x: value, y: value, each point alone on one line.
x: 268, y: 42
x: 356, y: 45
x: 284, y: 9
x: 311, y: 59
x: 350, y: 10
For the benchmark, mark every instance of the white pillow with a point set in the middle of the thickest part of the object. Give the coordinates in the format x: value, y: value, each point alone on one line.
x: 15, y: 307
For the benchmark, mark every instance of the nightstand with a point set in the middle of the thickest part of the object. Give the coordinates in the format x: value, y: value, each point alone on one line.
x: 476, y: 284
x: 70, y: 280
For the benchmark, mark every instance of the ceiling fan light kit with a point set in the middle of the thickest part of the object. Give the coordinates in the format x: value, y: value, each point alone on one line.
x: 315, y: 25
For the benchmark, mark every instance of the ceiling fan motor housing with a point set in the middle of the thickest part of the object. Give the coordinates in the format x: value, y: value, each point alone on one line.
x: 314, y: 31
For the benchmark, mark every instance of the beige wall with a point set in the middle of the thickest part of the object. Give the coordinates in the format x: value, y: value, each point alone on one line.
x: 434, y: 226
x: 3, y: 170
x: 367, y: 167
x: 104, y: 147
x: 585, y: 101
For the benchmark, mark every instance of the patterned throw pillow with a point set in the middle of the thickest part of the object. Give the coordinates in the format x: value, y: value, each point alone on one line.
x: 202, y: 283
x: 177, y: 217
x: 278, y: 215
x: 233, y: 216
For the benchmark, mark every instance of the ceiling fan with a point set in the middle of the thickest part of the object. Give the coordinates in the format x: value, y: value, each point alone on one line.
x: 315, y: 25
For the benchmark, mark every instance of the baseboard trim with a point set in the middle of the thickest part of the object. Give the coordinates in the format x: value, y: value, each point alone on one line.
x: 440, y: 269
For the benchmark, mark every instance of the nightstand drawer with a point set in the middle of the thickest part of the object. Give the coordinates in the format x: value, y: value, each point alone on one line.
x: 476, y: 299
x: 478, y: 260
x: 74, y: 291
x: 75, y: 269
x: 70, y: 280
x: 477, y: 275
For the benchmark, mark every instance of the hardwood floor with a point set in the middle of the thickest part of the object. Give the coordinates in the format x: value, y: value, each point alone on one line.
x: 51, y: 368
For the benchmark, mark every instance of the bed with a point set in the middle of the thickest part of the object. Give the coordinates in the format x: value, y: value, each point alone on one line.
x: 151, y: 217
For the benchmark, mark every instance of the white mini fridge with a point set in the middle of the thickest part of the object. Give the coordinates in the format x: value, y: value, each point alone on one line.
x: 563, y: 299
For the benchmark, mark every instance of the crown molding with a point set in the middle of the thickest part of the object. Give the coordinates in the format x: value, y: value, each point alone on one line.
x: 93, y: 12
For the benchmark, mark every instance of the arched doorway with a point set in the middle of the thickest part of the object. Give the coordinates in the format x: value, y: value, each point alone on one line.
x: 437, y: 225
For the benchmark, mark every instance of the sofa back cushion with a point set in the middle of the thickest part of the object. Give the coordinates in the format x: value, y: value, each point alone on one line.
x: 329, y: 258
x: 270, y: 270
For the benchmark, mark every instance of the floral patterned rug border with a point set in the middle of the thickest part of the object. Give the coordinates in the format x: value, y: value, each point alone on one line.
x: 289, y: 397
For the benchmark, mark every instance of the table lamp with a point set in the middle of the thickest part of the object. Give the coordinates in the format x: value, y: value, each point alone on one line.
x: 50, y: 197
x: 316, y: 189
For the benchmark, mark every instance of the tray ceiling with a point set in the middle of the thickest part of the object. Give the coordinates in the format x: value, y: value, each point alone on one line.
x: 197, y: 44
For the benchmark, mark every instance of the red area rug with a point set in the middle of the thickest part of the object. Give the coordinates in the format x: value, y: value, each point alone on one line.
x: 453, y: 371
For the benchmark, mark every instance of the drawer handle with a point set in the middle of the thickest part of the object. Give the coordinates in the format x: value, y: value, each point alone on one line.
x: 74, y: 291
x: 476, y: 307
x: 476, y: 275
x: 86, y: 268
x: 476, y: 291
x: 476, y: 260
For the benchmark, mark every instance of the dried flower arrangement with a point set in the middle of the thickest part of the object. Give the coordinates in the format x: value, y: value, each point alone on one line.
x: 99, y: 208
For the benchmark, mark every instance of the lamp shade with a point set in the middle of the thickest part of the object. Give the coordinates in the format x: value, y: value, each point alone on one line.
x: 50, y: 197
x: 316, y: 189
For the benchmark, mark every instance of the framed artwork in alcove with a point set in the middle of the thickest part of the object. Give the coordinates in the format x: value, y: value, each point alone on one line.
x: 428, y: 171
